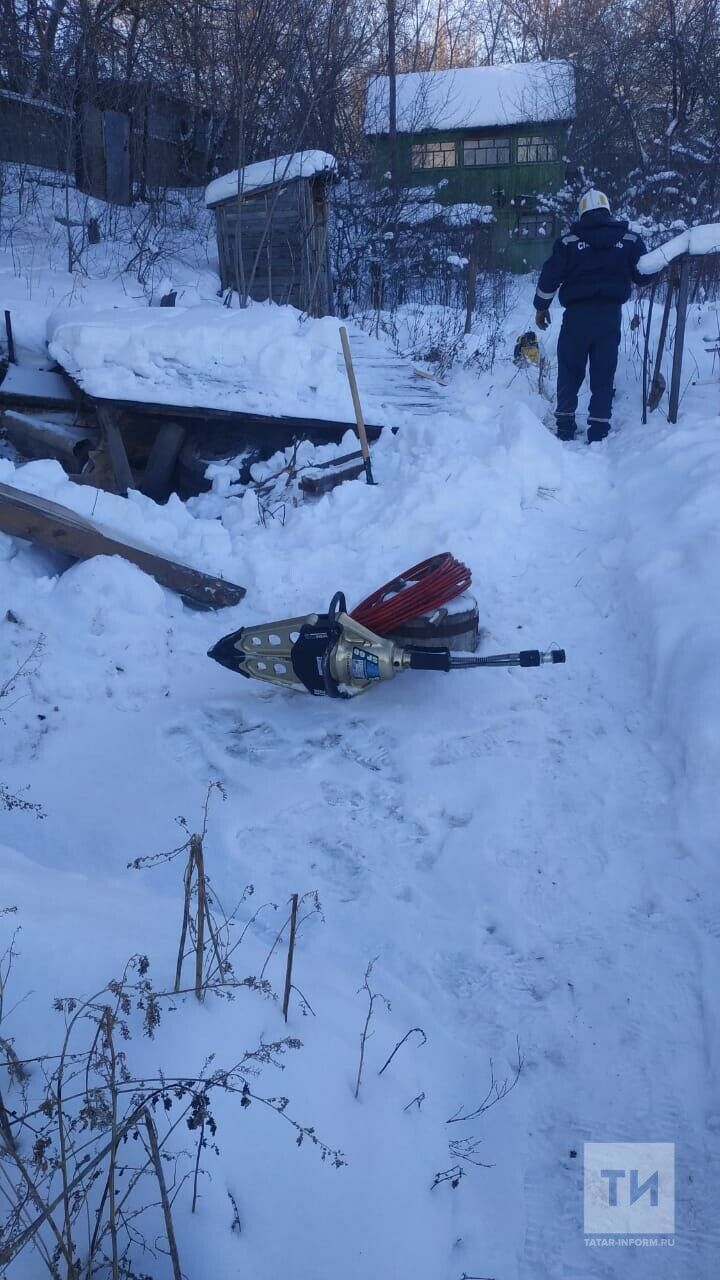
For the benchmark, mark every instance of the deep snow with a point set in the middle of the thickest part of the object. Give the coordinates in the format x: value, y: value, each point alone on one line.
x: 529, y: 855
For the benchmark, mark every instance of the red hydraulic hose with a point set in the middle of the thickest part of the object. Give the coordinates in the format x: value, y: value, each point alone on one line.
x: 414, y: 593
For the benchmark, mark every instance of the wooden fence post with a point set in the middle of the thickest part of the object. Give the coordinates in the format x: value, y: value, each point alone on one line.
x: 682, y: 305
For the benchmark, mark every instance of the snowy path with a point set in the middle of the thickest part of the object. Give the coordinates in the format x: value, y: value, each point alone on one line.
x: 506, y: 843
x: 609, y: 964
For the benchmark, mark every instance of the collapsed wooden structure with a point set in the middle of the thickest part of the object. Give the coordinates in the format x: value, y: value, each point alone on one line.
x: 157, y: 448
x: 192, y: 420
x: 161, y: 446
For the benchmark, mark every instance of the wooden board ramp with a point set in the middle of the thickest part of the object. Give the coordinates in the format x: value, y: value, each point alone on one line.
x: 50, y: 525
x: 157, y: 444
x: 390, y: 384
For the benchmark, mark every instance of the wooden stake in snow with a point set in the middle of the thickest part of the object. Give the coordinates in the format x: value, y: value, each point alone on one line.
x: 10, y: 340
x: 290, y: 954
x: 362, y: 434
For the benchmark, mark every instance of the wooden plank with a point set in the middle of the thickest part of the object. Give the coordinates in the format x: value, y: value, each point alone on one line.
x: 36, y: 388
x: 315, y: 485
x: 91, y: 168
x: 242, y: 420
x: 340, y: 461
x: 23, y: 515
x: 657, y: 385
x: 122, y: 474
x: 116, y: 144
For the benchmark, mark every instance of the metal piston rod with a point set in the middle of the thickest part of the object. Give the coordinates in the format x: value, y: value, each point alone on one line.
x: 334, y: 655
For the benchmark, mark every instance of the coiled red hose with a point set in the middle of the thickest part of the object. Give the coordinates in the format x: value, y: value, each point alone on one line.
x: 412, y: 594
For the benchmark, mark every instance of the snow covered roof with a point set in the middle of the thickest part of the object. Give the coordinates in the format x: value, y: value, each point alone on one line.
x: 267, y: 173
x: 697, y: 241
x: 474, y: 97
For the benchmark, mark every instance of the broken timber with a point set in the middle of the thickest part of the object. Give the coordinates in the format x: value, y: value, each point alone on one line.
x: 24, y: 515
x: 112, y: 438
x: 325, y: 476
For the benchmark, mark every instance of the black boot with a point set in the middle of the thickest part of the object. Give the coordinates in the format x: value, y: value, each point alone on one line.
x: 566, y: 428
x: 597, y: 430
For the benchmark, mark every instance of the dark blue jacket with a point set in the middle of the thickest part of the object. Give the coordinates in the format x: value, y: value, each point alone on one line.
x: 596, y: 261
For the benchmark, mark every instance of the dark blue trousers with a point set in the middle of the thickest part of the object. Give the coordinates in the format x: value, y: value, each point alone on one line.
x: 590, y: 333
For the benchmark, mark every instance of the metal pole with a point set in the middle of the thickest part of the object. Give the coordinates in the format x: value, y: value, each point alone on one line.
x: 682, y: 304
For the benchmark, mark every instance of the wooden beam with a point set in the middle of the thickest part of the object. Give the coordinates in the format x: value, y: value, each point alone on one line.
x: 24, y: 515
x: 682, y: 305
x: 657, y: 385
x: 122, y: 474
x: 50, y: 435
x: 313, y: 484
x: 241, y: 420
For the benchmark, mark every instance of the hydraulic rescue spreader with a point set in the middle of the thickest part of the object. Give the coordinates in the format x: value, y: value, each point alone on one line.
x: 333, y: 654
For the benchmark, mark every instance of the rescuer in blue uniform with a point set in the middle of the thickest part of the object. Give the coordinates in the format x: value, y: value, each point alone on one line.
x: 594, y: 266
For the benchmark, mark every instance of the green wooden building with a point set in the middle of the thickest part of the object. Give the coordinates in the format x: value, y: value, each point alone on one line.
x: 492, y: 136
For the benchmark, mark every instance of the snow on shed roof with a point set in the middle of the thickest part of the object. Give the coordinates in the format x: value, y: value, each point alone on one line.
x: 697, y: 241
x: 474, y: 97
x: 267, y: 173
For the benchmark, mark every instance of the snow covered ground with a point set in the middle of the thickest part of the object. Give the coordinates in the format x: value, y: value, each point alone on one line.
x: 529, y: 857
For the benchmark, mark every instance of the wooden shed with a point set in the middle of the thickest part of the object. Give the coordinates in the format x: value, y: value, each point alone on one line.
x: 272, y: 230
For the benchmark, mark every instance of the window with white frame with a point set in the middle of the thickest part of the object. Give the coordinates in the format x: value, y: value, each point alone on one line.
x: 534, y: 149
x: 483, y: 152
x: 434, y: 155
x: 535, y: 226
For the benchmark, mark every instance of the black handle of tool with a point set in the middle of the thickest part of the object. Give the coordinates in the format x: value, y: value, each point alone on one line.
x: 429, y: 659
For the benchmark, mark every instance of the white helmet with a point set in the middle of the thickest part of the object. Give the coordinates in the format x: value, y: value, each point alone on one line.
x: 593, y: 200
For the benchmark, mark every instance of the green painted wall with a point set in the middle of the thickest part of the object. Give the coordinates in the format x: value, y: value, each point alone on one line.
x: 510, y: 189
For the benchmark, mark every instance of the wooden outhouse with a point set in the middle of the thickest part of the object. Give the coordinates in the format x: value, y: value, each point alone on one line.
x: 272, y: 230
